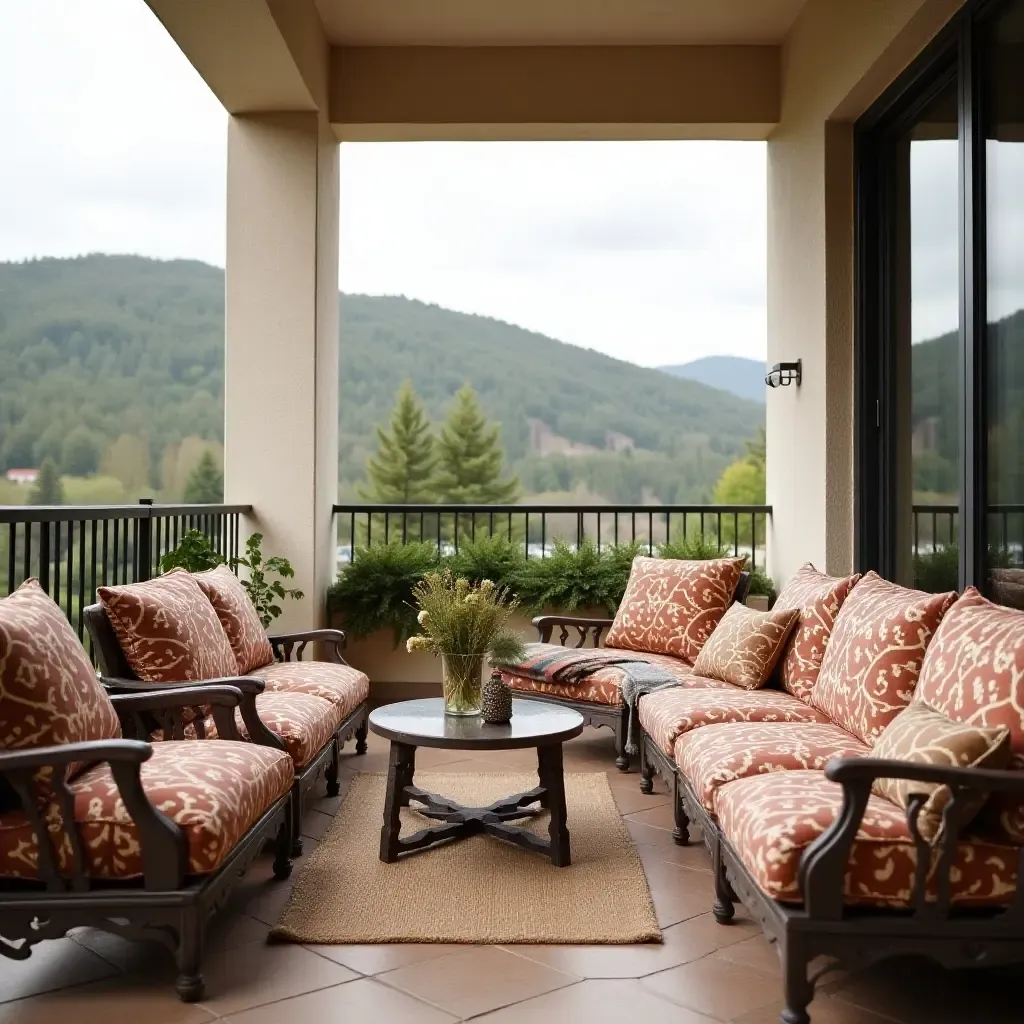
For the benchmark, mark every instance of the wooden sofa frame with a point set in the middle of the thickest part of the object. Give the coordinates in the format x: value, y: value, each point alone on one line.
x: 168, y: 905
x: 119, y: 678
x: 855, y: 937
x: 614, y: 717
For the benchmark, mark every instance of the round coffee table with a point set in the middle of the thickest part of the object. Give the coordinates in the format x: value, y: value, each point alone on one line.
x: 423, y: 723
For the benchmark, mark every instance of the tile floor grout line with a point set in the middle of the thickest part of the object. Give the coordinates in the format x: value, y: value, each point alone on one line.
x: 282, y: 999
x: 518, y: 1002
x: 426, y: 1002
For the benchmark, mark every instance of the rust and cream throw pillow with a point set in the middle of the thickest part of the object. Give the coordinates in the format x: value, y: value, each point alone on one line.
x: 922, y: 735
x: 672, y: 605
x: 168, y: 629
x: 745, y: 646
x: 238, y: 616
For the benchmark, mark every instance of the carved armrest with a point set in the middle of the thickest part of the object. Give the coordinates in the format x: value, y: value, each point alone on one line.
x: 163, y: 847
x: 824, y: 864
x: 284, y: 644
x: 545, y: 625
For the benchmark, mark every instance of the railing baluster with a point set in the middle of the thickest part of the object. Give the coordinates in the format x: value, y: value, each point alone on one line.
x: 81, y: 578
x: 12, y: 552
x: 526, y: 540
x: 650, y: 533
x: 27, y: 553
x: 56, y: 562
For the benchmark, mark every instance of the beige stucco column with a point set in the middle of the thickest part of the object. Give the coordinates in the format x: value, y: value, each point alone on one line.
x: 281, y: 363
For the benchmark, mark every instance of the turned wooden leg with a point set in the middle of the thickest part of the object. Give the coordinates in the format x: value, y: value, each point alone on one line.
x: 333, y: 785
x: 283, y: 848
x: 361, y: 731
x: 681, y: 833
x: 646, y: 769
x: 621, y: 732
x: 798, y: 990
x: 190, y: 985
x: 724, y: 909
x: 401, y: 768
x: 554, y: 781
x: 542, y: 769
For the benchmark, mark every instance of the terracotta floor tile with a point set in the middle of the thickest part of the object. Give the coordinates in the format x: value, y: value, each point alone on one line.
x: 314, y: 826
x: 629, y: 799
x: 694, y: 856
x: 362, y: 1000
x: 660, y: 816
x: 54, y: 964
x: 683, y: 942
x: 716, y: 987
x: 106, y: 1002
x: 476, y: 980
x: 824, y: 1010
x: 756, y: 952
x: 386, y: 956
x: 252, y: 975
x: 595, y: 1002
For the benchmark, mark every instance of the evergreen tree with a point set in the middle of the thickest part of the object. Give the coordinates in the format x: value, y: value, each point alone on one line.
x: 471, y: 459
x: 402, y: 471
x: 80, y: 452
x: 48, y: 489
x: 206, y: 483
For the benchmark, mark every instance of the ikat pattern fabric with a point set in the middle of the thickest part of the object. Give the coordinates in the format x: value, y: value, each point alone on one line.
x: 671, y: 605
x: 745, y: 645
x: 343, y: 686
x: 49, y: 692
x: 214, y: 791
x: 719, y: 754
x: 238, y: 617
x: 874, y: 656
x: 771, y: 819
x: 923, y: 736
x: 667, y: 714
x: 818, y: 598
x: 974, y: 673
x: 168, y: 630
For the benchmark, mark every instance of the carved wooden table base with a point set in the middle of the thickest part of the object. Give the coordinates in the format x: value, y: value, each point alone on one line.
x: 460, y: 822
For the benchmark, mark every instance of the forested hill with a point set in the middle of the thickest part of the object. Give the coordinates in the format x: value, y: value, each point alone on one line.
x: 122, y: 344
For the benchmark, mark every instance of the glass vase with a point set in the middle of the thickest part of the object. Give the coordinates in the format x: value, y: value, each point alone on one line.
x: 462, y: 680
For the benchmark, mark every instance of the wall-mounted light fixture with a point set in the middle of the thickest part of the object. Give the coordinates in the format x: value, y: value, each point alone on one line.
x: 783, y: 374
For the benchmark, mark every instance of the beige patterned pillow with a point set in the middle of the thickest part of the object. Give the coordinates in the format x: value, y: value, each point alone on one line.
x: 924, y: 736
x: 168, y: 630
x: 745, y: 645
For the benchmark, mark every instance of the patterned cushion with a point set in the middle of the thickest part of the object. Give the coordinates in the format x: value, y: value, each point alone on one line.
x: 671, y: 606
x: 771, y: 819
x: 745, y: 645
x: 49, y: 693
x: 717, y: 754
x: 924, y: 736
x: 214, y: 791
x: 305, y: 723
x: 819, y: 598
x: 168, y: 630
x: 873, y: 659
x: 342, y: 685
x: 604, y: 685
x: 974, y: 673
x: 237, y: 616
x: 667, y: 714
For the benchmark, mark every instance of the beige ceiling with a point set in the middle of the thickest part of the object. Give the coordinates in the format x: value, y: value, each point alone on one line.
x: 555, y: 22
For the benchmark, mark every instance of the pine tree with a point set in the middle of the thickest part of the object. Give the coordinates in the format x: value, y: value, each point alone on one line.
x: 471, y: 460
x: 48, y: 489
x: 206, y: 483
x: 402, y: 471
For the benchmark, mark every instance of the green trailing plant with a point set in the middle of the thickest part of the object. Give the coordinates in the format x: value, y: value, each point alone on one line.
x: 194, y: 552
x: 263, y: 591
x: 488, y: 558
x: 375, y: 590
x: 571, y: 578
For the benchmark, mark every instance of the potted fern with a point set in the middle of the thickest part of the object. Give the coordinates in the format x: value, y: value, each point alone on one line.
x: 464, y: 624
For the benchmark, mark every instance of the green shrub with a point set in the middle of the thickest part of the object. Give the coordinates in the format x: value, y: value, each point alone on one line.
x: 375, y: 590
x: 194, y: 552
x: 695, y: 547
x: 762, y: 584
x: 488, y: 558
x: 575, y: 578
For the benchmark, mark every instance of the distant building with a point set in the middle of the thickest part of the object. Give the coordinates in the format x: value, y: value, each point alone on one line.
x: 22, y: 476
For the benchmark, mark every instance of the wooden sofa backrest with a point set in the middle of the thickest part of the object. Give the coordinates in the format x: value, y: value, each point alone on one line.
x: 105, y: 643
x: 742, y: 588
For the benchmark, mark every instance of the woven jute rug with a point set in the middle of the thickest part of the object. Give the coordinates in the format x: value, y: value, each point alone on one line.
x: 480, y: 889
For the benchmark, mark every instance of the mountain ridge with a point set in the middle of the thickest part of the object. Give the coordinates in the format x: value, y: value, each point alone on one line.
x: 736, y: 375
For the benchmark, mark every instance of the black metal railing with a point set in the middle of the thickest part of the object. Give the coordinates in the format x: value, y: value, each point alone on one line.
x: 72, y: 550
x: 936, y: 526
x: 741, y: 529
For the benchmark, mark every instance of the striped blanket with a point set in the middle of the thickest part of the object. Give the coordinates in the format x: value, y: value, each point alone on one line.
x: 551, y: 663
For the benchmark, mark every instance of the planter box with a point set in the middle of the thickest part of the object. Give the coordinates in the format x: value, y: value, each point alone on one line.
x: 759, y: 602
x: 395, y: 674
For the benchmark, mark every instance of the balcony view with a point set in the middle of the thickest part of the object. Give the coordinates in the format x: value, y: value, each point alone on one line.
x: 511, y: 513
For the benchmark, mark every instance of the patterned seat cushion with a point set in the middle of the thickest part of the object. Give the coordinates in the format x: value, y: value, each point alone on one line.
x: 214, y: 791
x: 671, y: 606
x: 974, y: 673
x: 719, y: 754
x: 344, y: 686
x: 770, y: 820
x: 168, y: 630
x: 744, y: 647
x: 604, y: 685
x: 49, y: 693
x: 305, y: 723
x: 238, y: 617
x: 667, y: 714
x: 818, y: 598
x: 874, y: 656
